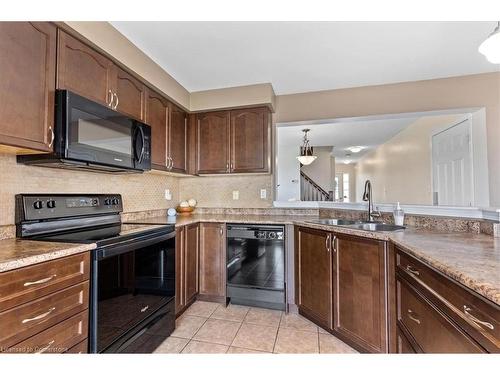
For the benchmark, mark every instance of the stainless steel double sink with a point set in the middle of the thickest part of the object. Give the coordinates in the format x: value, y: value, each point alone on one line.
x: 361, y: 225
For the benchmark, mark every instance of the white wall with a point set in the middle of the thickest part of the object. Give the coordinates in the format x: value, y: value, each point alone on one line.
x: 287, y: 172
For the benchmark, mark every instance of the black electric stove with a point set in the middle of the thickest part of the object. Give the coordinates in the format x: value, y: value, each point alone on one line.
x: 133, y: 267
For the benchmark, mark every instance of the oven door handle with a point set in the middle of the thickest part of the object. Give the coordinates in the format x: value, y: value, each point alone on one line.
x: 233, y: 262
x: 132, y: 244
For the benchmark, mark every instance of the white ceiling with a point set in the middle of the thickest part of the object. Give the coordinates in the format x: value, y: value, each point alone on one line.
x: 369, y: 134
x: 309, y: 56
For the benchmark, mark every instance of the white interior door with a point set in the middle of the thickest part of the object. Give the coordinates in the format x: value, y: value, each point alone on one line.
x: 452, y: 166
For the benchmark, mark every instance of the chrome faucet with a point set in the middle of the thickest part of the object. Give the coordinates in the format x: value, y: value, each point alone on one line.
x: 367, y: 197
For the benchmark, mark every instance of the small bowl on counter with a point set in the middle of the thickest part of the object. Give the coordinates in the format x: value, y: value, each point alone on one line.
x: 184, y: 211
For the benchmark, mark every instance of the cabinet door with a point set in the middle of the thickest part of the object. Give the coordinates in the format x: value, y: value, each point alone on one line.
x: 130, y: 95
x: 180, y: 300
x: 157, y: 118
x: 212, y: 135
x: 359, y: 292
x: 250, y: 140
x: 83, y: 70
x: 27, y: 84
x: 177, y: 139
x: 191, y: 261
x: 212, y: 260
x: 314, y: 275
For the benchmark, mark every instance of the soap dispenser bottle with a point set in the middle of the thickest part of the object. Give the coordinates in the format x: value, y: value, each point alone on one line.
x: 399, y: 215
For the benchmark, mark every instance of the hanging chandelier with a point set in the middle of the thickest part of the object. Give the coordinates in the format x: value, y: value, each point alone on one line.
x: 490, y: 48
x: 306, y: 156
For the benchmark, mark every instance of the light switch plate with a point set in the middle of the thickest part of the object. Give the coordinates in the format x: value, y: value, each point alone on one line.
x: 236, y: 195
x: 168, y: 195
x: 263, y: 193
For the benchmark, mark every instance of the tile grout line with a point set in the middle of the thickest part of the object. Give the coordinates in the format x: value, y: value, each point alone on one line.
x: 278, y: 331
x: 241, y: 325
x: 194, y: 334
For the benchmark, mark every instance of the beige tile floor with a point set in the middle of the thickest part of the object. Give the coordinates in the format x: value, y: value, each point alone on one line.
x: 208, y: 327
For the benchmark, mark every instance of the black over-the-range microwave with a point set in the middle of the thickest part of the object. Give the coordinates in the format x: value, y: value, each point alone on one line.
x: 91, y: 136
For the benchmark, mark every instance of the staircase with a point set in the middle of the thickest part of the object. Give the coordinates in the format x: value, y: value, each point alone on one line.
x: 311, y: 191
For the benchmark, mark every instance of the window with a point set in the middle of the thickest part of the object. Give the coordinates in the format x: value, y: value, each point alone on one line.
x: 337, y: 193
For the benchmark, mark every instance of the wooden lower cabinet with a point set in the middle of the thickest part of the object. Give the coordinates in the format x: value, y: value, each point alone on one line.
x: 437, y: 315
x: 313, y: 275
x: 360, y: 292
x: 212, y: 261
x: 44, y: 307
x: 186, y: 266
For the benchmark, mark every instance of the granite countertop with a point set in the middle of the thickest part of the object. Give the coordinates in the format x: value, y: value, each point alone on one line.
x: 16, y: 253
x: 471, y: 259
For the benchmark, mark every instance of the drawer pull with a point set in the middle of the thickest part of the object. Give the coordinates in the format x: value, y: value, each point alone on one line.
x: 145, y: 308
x: 410, y: 315
x: 412, y: 270
x: 38, y: 317
x: 467, y: 311
x: 41, y: 281
x: 45, y: 348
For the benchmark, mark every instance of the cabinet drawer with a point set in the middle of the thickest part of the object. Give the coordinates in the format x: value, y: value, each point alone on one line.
x: 80, y: 348
x: 28, y: 283
x: 432, y: 330
x: 404, y: 346
x: 24, y: 321
x: 57, y: 339
x: 476, y: 316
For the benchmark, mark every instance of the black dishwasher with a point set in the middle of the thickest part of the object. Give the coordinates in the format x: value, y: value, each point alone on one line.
x: 256, y: 265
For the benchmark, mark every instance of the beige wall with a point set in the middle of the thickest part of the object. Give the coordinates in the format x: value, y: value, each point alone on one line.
x: 481, y: 90
x: 139, y: 191
x: 106, y: 37
x: 241, y: 96
x: 400, y: 170
x: 217, y: 191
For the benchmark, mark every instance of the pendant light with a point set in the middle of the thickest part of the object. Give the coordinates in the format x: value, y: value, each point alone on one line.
x: 306, y: 156
x: 491, y: 46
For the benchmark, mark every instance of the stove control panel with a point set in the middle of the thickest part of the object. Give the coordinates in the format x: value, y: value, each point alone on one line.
x: 45, y: 206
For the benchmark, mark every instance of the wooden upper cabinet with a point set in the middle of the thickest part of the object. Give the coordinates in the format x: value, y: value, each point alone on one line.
x: 157, y: 118
x: 83, y: 70
x: 313, y: 274
x: 212, y: 260
x: 359, y: 292
x: 177, y: 139
x: 130, y: 94
x: 250, y: 138
x: 27, y: 84
x: 212, y: 133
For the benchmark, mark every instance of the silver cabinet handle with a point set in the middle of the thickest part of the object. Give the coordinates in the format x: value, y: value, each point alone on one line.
x: 467, y: 311
x: 52, y: 136
x: 410, y: 315
x: 145, y: 308
x: 231, y: 167
x: 334, y: 244
x: 227, y: 167
x: 110, y: 100
x: 41, y: 281
x: 168, y: 162
x: 412, y: 270
x: 117, y: 100
x: 327, y: 242
x: 45, y: 348
x: 171, y: 162
x: 221, y: 231
x: 38, y: 317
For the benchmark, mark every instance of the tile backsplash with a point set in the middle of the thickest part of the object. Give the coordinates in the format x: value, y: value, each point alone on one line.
x: 140, y: 191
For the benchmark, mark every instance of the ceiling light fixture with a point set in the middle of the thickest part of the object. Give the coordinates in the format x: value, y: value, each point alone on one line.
x: 355, y: 149
x: 490, y: 48
x: 347, y: 159
x: 306, y: 156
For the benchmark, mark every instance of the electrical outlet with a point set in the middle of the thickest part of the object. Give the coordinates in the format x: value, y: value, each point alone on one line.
x: 236, y: 195
x: 263, y: 193
x: 168, y: 195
